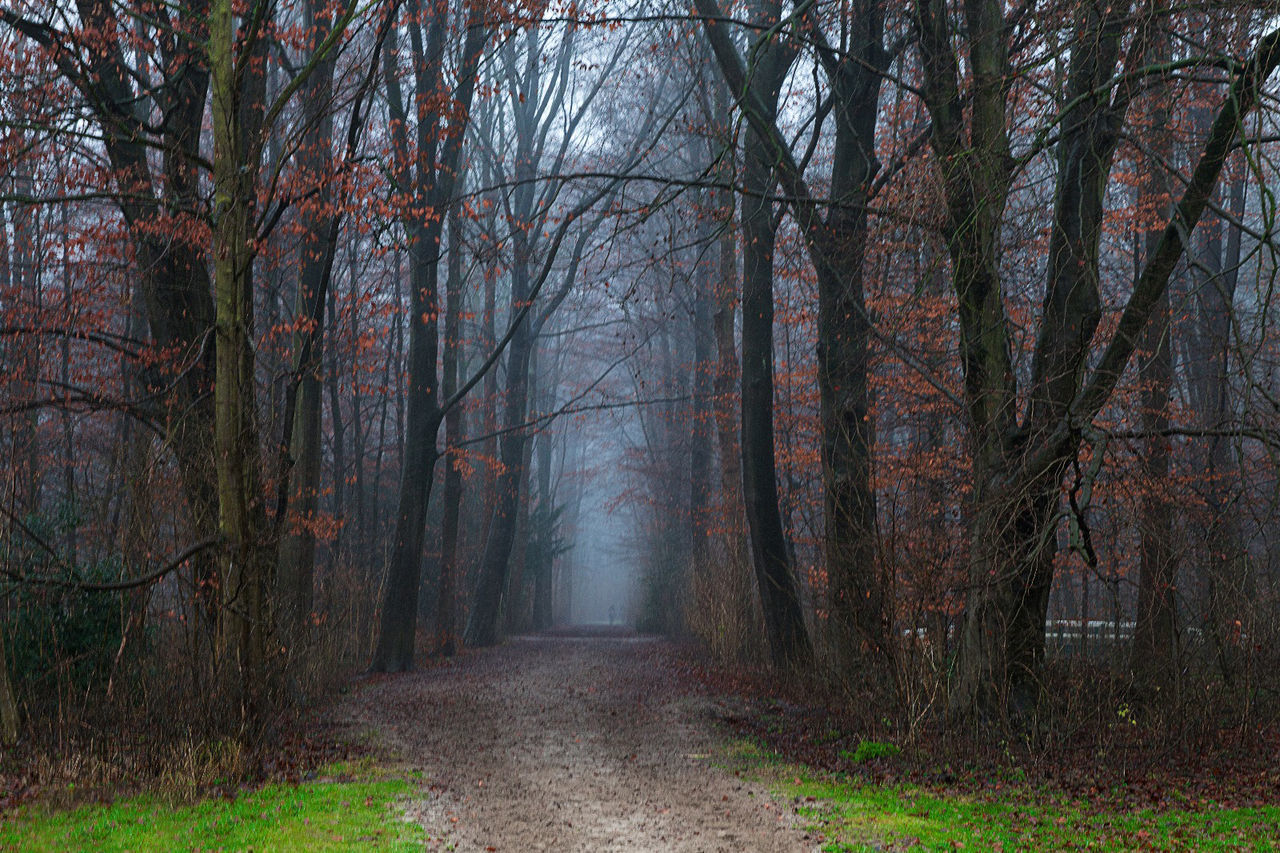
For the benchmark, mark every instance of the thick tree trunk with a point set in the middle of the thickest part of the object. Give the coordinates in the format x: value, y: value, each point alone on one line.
x: 1001, y: 644
x: 495, y: 565
x: 785, y: 630
x: 394, y: 651
x: 1222, y: 575
x: 395, y: 648
x: 859, y: 587
x: 1154, y: 661
x: 237, y: 106
x: 432, y: 189
x: 173, y: 273
x: 1010, y: 565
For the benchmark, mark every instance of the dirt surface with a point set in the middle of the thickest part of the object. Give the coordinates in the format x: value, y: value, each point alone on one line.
x: 570, y: 743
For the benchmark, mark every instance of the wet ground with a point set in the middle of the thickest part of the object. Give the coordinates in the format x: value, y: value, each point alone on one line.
x: 581, y: 740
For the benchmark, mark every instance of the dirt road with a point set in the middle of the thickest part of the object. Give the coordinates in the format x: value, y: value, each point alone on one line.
x: 569, y: 744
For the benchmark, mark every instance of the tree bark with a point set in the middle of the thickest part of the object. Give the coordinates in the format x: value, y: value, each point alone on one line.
x: 701, y: 419
x: 446, y: 602
x: 1154, y: 655
x: 532, y: 108
x: 486, y: 603
x: 237, y: 112
x: 431, y: 191
x: 1012, y: 546
x: 24, y: 372
x: 296, y: 573
x: 785, y: 630
x: 547, y: 516
x: 858, y: 586
x: 173, y: 274
x: 1018, y: 467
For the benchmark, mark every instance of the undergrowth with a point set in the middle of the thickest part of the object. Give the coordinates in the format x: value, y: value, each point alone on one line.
x: 853, y: 814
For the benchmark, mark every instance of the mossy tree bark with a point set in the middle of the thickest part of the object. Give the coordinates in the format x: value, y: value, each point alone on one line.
x: 238, y: 90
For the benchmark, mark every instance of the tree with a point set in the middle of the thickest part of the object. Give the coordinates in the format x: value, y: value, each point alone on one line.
x: 424, y: 178
x: 1018, y: 465
x: 785, y: 630
x: 154, y: 200
x: 296, y: 576
x: 539, y: 104
x: 837, y: 243
x: 1154, y: 661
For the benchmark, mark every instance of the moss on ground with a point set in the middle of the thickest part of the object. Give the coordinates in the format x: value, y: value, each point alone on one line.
x: 854, y: 815
x: 338, y: 812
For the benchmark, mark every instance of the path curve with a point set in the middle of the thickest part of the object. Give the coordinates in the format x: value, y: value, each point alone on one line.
x: 569, y: 744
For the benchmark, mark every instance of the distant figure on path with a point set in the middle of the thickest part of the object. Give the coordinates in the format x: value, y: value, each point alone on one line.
x: 613, y: 613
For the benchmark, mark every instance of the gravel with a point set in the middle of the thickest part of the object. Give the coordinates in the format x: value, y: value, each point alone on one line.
x: 569, y: 744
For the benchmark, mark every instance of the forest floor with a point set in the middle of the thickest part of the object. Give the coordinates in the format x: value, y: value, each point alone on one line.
x: 570, y: 743
x: 601, y: 740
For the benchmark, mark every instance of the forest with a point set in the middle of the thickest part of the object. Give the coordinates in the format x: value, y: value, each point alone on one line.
x: 915, y: 356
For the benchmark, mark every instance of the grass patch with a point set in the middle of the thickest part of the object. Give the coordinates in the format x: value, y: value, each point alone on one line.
x: 350, y: 809
x: 854, y: 815
x: 870, y: 750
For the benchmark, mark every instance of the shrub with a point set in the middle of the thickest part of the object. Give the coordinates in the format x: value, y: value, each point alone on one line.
x: 59, y: 634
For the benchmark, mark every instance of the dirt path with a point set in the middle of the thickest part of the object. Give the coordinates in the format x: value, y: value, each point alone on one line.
x: 569, y: 744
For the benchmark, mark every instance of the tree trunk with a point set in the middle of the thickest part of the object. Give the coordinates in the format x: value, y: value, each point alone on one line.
x: 237, y: 109
x: 1154, y: 655
x: 359, y: 548
x: 785, y: 629
x: 68, y: 431
x: 701, y: 422
x: 483, y: 620
x: 173, y: 273
x: 1221, y: 576
x: 338, y: 426
x: 726, y: 377
x: 296, y: 573
x: 446, y: 602
x: 548, y: 516
x: 24, y: 372
x: 858, y: 586
x: 486, y: 604
x: 432, y: 190
x: 1003, y: 636
x: 394, y: 652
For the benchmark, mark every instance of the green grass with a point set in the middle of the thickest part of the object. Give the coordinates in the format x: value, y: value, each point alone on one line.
x: 320, y: 815
x: 853, y: 815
